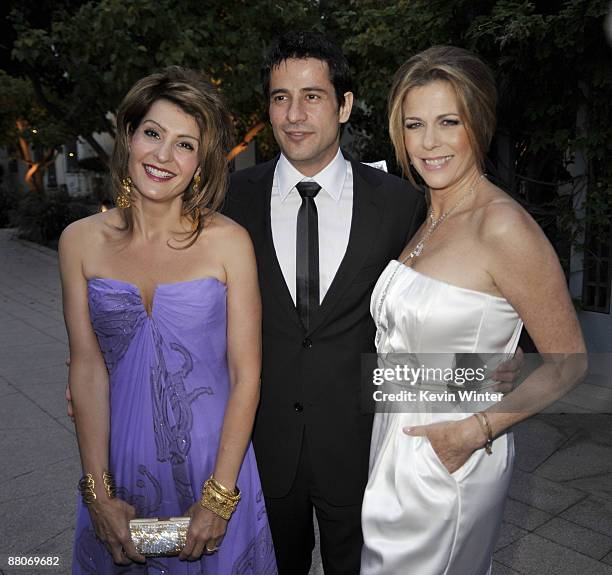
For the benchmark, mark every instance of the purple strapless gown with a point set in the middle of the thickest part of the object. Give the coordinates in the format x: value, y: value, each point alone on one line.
x: 169, y: 386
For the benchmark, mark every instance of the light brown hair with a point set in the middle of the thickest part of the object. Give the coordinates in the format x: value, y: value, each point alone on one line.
x: 190, y: 91
x: 473, y: 83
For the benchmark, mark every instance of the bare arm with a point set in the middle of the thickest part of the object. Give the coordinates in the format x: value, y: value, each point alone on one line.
x: 88, y: 378
x: 88, y: 382
x: 525, y: 268
x: 244, y: 360
x: 244, y: 363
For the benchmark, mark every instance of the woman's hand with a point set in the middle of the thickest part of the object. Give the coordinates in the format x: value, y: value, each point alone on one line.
x: 205, y: 534
x: 110, y: 519
x: 452, y: 441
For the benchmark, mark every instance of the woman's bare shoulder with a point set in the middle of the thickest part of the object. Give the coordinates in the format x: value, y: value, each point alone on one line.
x: 502, y: 218
x: 221, y: 229
x: 91, y: 231
x: 99, y: 221
x: 225, y: 238
x: 507, y: 232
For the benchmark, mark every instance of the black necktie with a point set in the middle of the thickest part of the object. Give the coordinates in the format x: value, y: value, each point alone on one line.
x: 307, y: 253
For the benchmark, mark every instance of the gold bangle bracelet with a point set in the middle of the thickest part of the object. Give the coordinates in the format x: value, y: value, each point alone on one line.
x: 222, y: 489
x: 219, y: 499
x: 87, y: 486
x: 109, y: 484
x: 483, y: 421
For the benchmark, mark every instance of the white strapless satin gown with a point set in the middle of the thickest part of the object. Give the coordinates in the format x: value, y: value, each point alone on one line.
x: 417, y: 518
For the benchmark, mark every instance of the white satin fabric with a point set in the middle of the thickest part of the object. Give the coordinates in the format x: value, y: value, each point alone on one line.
x: 417, y: 518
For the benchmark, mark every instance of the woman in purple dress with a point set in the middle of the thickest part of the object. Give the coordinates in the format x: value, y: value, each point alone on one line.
x: 162, y: 309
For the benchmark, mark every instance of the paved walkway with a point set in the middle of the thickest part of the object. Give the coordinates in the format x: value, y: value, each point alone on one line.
x: 559, y: 514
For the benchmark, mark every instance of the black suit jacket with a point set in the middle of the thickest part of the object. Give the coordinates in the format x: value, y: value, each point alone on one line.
x: 311, y: 378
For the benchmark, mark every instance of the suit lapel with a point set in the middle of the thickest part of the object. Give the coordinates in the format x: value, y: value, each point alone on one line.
x: 269, y: 269
x: 365, y: 221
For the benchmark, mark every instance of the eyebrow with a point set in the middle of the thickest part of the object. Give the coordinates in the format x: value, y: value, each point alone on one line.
x: 164, y: 130
x: 307, y: 89
x: 437, y: 117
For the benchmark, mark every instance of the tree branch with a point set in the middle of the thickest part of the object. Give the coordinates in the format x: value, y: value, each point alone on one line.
x: 100, y: 151
x: 59, y: 114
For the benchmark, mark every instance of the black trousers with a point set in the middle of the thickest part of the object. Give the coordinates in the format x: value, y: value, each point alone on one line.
x: 291, y: 523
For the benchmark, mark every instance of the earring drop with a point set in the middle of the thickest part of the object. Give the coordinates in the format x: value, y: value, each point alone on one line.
x: 195, y: 188
x: 124, y: 197
x: 197, y: 181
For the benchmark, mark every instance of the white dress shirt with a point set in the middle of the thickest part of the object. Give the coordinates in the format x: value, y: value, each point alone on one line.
x: 334, y: 208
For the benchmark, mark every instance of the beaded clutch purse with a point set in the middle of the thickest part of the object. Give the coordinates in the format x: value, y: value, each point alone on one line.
x: 154, y: 537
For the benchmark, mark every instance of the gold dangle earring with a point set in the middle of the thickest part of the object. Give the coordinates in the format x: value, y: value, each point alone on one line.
x: 197, y: 181
x: 195, y: 223
x: 124, y: 197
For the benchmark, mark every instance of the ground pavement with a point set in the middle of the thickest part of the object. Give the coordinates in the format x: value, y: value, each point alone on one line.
x: 559, y: 513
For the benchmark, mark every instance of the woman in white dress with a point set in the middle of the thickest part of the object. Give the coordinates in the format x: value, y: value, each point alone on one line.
x: 476, y: 270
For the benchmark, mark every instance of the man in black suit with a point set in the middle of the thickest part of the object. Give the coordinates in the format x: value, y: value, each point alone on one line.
x: 324, y: 227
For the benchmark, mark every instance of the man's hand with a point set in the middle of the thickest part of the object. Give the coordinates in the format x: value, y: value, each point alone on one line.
x: 508, y: 372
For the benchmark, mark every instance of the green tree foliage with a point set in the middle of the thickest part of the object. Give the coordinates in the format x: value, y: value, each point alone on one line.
x: 27, y: 130
x: 550, y: 59
x: 83, y: 62
x: 552, y: 66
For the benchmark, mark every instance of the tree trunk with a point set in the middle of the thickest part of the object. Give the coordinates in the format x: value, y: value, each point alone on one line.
x: 100, y: 151
x: 33, y: 182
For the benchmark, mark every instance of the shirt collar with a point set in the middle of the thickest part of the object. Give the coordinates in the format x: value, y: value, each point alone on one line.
x: 331, y: 178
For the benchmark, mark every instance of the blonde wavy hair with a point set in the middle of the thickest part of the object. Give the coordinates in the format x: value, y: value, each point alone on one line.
x: 473, y: 83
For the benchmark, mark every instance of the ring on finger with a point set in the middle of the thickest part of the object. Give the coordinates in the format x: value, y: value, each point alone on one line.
x: 209, y: 550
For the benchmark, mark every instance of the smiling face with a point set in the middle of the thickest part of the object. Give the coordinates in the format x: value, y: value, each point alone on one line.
x: 164, y: 152
x: 435, y: 137
x: 304, y: 113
